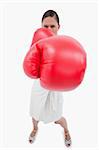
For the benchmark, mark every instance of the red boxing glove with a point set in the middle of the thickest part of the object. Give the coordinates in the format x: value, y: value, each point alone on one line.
x: 40, y: 34
x: 31, y: 64
x: 61, y: 62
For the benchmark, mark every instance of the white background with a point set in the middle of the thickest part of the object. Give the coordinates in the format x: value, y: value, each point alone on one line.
x: 19, y: 21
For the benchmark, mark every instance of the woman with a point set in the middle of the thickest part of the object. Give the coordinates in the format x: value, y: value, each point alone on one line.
x: 46, y: 105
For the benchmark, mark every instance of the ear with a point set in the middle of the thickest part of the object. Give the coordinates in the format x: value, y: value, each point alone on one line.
x: 59, y: 26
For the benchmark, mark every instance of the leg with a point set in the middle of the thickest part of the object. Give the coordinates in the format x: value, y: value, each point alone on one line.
x: 63, y: 124
x: 35, y: 124
x: 34, y: 131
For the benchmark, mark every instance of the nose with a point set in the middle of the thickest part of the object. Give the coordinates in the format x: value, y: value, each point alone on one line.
x: 49, y: 28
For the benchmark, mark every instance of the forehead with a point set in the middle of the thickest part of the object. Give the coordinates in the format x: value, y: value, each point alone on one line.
x: 49, y: 21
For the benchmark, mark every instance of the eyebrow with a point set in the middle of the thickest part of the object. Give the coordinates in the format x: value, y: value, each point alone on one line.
x: 49, y: 25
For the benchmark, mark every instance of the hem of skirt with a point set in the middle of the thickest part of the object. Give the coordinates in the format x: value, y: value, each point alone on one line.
x: 34, y: 117
x: 53, y: 120
x: 46, y: 121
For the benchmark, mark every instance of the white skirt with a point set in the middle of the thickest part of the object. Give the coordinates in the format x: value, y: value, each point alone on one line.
x: 45, y: 105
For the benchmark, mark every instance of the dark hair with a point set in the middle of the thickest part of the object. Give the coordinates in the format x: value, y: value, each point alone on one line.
x: 51, y: 13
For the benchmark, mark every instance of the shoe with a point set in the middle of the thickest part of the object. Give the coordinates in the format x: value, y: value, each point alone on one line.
x: 33, y: 136
x: 67, y: 140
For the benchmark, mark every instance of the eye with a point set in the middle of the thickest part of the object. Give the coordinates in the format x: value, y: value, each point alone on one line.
x: 45, y: 26
x: 53, y: 26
